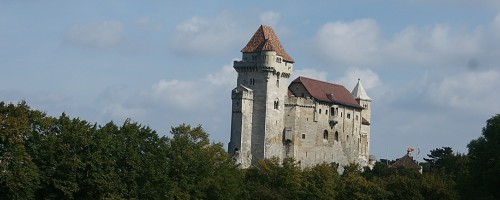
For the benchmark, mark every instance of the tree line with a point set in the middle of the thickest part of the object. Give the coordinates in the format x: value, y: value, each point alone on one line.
x: 44, y: 157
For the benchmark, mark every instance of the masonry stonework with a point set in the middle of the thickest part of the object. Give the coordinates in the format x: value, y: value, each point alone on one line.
x: 309, y: 120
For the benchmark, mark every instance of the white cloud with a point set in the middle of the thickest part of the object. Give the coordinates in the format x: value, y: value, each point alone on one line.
x: 102, y: 34
x: 227, y: 76
x: 369, y: 79
x: 270, y: 18
x: 471, y: 91
x: 360, y: 42
x: 194, y: 94
x: 310, y: 73
x: 352, y: 42
x: 206, y: 36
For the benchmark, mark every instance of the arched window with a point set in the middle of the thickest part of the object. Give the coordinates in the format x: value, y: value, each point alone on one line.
x: 325, y: 135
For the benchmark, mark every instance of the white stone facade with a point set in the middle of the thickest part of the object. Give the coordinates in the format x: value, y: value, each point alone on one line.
x: 268, y: 120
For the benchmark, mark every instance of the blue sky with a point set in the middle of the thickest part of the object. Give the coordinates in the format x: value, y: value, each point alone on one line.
x: 431, y: 66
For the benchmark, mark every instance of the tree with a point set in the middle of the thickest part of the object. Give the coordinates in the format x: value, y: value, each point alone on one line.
x: 19, y: 176
x: 320, y: 182
x: 484, y: 160
x: 443, y: 159
x: 270, y: 179
x: 355, y: 186
x: 199, y: 169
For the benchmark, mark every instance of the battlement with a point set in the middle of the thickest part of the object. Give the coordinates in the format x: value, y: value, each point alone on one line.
x: 299, y: 101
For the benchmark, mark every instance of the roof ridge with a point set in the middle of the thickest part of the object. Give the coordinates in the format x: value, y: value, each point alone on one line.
x: 265, y: 39
x: 321, y: 81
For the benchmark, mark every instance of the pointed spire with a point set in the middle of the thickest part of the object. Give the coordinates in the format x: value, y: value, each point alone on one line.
x: 264, y: 39
x: 359, y: 92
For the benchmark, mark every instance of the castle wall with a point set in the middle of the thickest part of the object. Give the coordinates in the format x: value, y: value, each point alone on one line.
x: 314, y: 138
x: 267, y: 123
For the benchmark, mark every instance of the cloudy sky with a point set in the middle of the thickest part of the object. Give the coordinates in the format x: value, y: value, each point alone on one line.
x: 431, y: 66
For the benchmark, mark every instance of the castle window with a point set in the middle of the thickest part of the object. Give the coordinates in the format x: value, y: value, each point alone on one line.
x: 252, y: 81
x: 319, y: 111
x: 302, y: 95
x: 336, y: 136
x: 277, y: 83
x: 356, y: 117
x: 348, y: 116
x: 332, y: 111
x: 326, y: 112
x: 278, y: 60
x: 276, y: 104
x: 303, y: 136
x: 340, y: 114
x: 325, y: 135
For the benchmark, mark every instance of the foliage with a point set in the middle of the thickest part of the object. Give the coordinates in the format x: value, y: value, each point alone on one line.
x: 43, y: 157
x: 19, y: 176
x: 484, y: 161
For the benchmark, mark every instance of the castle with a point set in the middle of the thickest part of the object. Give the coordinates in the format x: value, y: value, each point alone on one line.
x: 310, y: 120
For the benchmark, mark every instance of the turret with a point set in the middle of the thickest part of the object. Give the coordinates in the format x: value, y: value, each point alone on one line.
x: 264, y: 69
x: 364, y: 101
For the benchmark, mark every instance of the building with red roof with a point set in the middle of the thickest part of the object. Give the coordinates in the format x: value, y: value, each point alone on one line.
x: 309, y: 120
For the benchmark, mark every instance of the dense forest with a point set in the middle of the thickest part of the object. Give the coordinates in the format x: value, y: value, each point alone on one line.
x: 43, y: 157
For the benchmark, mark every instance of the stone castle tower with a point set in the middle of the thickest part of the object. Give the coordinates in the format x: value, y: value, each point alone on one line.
x: 271, y: 119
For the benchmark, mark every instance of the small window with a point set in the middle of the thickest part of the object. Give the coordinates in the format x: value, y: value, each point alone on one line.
x: 356, y: 117
x: 252, y: 81
x: 336, y: 136
x: 348, y: 116
x: 325, y: 135
x: 319, y: 111
x: 340, y: 114
x: 276, y: 105
x: 278, y: 83
x: 332, y: 111
x: 326, y: 112
x: 303, y: 136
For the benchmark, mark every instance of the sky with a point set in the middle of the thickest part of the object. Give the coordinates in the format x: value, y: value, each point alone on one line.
x: 432, y: 67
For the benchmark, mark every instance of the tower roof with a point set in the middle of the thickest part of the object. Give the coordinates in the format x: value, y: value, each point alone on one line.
x: 265, y: 39
x: 359, y: 92
x: 327, y: 92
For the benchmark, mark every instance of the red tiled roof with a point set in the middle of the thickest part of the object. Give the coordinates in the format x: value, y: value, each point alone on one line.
x: 405, y: 162
x: 327, y: 92
x: 265, y: 39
